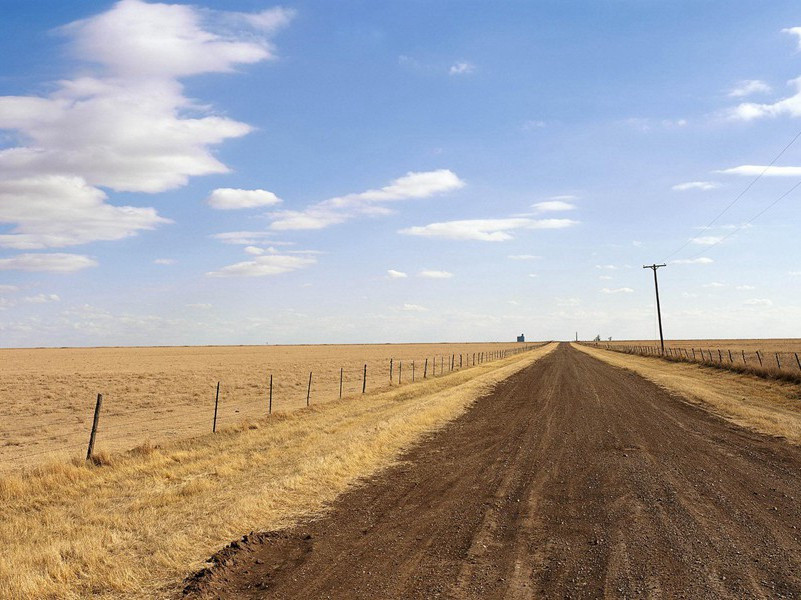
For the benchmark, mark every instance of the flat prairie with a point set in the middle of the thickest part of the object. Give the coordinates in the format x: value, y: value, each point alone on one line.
x: 156, y: 394
x: 765, y: 345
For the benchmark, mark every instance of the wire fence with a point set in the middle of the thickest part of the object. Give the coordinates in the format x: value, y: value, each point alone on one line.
x: 773, y: 364
x: 113, y: 427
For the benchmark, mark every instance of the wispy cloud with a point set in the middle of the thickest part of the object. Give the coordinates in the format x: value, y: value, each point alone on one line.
x: 393, y: 274
x: 266, y: 265
x: 485, y: 230
x: 745, y: 287
x: 413, y: 185
x: 758, y: 302
x: 461, y: 68
x: 413, y: 308
x: 164, y: 261
x: 753, y: 170
x: 748, y: 87
x: 714, y: 284
x: 248, y: 238
x: 432, y: 274
x: 607, y: 267
x: 620, y: 290
x: 232, y: 199
x: 54, y: 262
x: 523, y: 257
x: 696, y: 185
x: 693, y: 261
x: 42, y: 298
x: 708, y: 240
x: 553, y: 206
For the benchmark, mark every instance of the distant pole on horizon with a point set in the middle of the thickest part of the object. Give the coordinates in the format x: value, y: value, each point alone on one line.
x: 654, y: 267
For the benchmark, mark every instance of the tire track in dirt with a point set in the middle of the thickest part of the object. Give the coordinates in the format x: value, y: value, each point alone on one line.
x: 572, y: 479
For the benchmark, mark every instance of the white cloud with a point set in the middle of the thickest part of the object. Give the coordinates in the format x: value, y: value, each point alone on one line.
x: 789, y: 106
x: 714, y: 284
x: 393, y: 274
x: 693, y: 261
x: 232, y: 199
x: 523, y: 257
x: 607, y: 267
x: 461, y: 68
x: 413, y: 185
x: 265, y: 265
x: 413, y: 308
x: 53, y: 211
x: 753, y: 170
x: 42, y: 298
x: 200, y: 305
x: 747, y: 87
x: 532, y: 275
x: 708, y: 240
x: 796, y: 31
x: 605, y: 277
x: 8, y: 288
x: 758, y: 302
x: 143, y: 40
x: 621, y: 290
x: 696, y: 185
x: 745, y: 287
x: 124, y: 123
x: 54, y: 262
x: 247, y: 238
x: 164, y: 261
x: 269, y: 20
x: 430, y: 274
x: 485, y: 230
x: 254, y: 250
x: 553, y: 206
x: 532, y: 124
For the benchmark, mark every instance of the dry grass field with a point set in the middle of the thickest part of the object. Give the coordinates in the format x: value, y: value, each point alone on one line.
x: 773, y: 358
x: 135, y: 527
x: 152, y: 395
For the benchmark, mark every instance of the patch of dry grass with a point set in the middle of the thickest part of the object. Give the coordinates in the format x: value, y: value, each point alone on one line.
x: 137, y: 526
x: 770, y: 407
x: 780, y: 361
x: 47, y: 395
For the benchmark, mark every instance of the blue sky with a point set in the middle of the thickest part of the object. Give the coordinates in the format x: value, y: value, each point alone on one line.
x: 319, y: 172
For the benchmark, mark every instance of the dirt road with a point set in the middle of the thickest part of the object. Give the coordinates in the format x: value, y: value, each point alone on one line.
x: 573, y: 479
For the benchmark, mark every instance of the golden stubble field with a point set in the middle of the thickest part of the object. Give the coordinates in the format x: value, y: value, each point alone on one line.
x: 156, y: 394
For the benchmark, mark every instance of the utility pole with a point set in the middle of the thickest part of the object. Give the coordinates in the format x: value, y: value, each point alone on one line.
x: 654, y: 267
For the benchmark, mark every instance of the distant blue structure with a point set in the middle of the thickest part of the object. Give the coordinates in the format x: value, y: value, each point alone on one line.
x: 521, y: 338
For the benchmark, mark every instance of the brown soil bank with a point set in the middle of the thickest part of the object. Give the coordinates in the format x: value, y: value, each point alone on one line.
x: 572, y: 479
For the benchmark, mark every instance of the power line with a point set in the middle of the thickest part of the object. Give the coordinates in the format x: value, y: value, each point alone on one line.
x: 740, y: 195
x: 748, y: 222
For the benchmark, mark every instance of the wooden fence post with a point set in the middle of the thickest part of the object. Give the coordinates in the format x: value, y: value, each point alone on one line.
x: 390, y: 371
x: 731, y: 360
x: 778, y: 364
x: 400, y: 371
x: 308, y: 390
x: 216, y: 403
x: 364, y: 381
x: 270, y: 405
x: 341, y: 372
x: 425, y: 369
x: 745, y: 363
x: 797, y: 361
x: 412, y: 371
x: 759, y: 357
x: 95, y: 421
